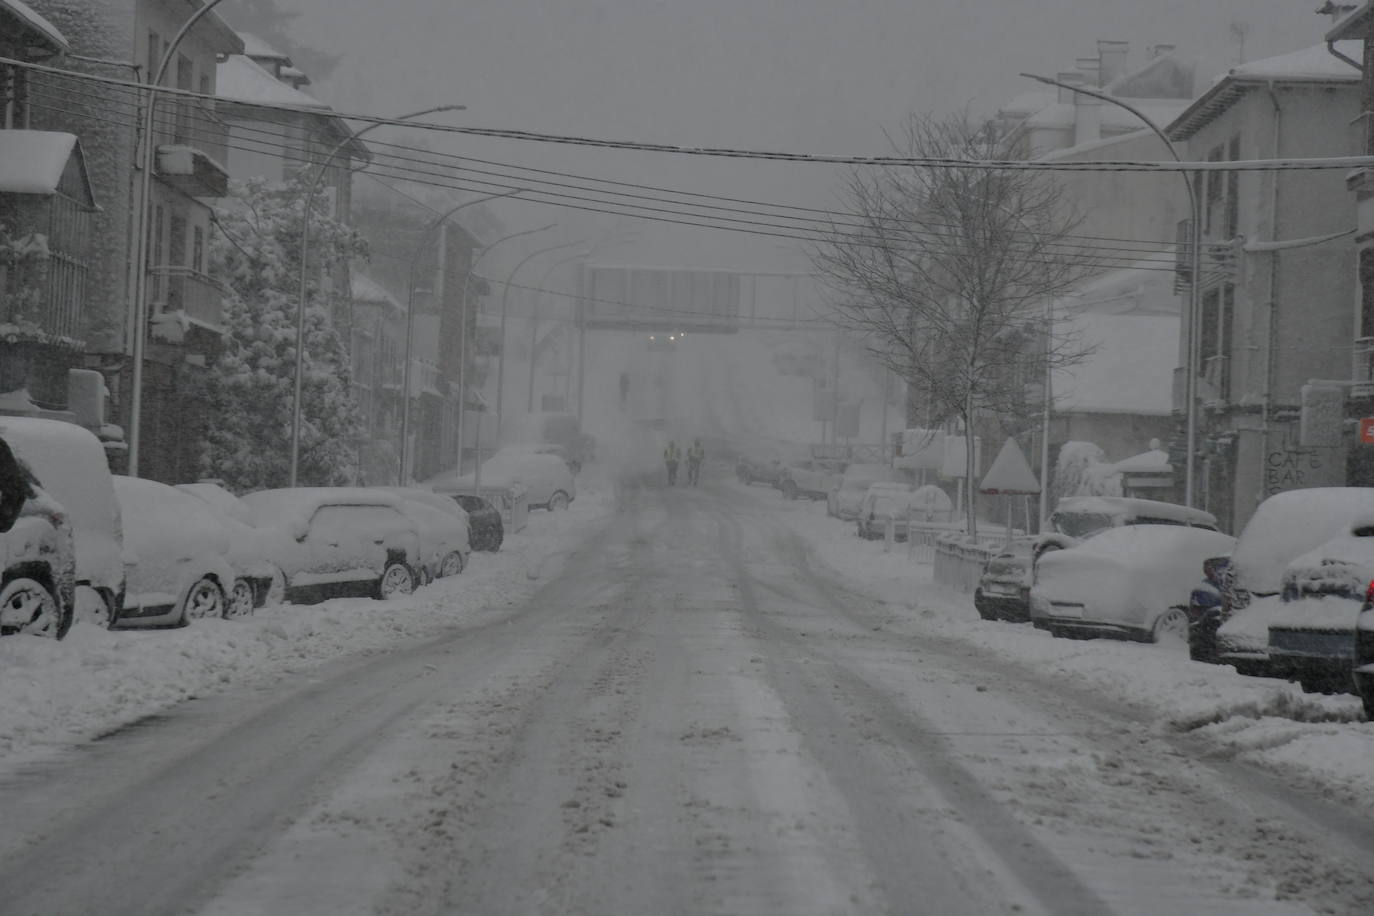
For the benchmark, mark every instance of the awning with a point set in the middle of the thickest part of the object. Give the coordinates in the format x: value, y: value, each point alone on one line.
x: 25, y: 14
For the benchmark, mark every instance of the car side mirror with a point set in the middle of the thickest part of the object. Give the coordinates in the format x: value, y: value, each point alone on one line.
x: 298, y: 530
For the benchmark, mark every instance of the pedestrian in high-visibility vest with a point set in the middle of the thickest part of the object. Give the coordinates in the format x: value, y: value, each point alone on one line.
x: 695, y: 456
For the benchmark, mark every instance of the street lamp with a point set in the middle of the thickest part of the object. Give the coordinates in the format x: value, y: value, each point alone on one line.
x: 1194, y: 286
x: 410, y: 323
x: 303, y: 292
x: 462, y: 345
x: 534, y: 322
x: 141, y: 252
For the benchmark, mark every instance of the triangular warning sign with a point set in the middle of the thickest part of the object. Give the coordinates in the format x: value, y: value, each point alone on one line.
x: 1010, y: 474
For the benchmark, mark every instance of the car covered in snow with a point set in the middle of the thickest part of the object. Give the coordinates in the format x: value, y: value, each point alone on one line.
x: 759, y: 466
x: 546, y: 478
x: 553, y: 433
x: 486, y: 530
x: 1311, y: 635
x: 844, y: 499
x: 37, y: 555
x: 1077, y: 518
x: 1130, y: 582
x: 812, y: 478
x: 335, y: 542
x: 903, y: 506
x: 443, y: 528
x: 257, y: 580
x: 1003, y: 591
x: 1284, y: 527
x: 179, y: 550
x: 69, y: 463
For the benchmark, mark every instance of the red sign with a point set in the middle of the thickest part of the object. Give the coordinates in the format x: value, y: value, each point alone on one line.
x: 1367, y: 431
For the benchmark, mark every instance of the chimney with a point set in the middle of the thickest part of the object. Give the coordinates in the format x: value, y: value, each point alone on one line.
x: 1088, y: 66
x: 1161, y: 50
x: 1073, y: 78
x: 1111, y: 56
x: 1087, y: 119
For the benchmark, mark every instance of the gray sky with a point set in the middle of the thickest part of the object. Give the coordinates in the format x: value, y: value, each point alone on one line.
x: 807, y: 75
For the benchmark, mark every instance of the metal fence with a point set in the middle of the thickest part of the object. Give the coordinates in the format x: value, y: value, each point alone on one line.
x: 959, y: 559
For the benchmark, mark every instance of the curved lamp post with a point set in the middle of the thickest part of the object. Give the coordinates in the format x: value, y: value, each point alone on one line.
x: 141, y: 252
x: 534, y: 323
x: 428, y: 236
x: 303, y: 291
x: 462, y: 345
x: 1194, y: 285
x: 505, y: 297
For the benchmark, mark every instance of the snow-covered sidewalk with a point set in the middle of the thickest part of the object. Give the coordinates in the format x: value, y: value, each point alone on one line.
x: 1304, y: 738
x: 57, y: 693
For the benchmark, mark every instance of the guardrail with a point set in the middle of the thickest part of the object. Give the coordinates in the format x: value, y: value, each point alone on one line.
x: 959, y: 559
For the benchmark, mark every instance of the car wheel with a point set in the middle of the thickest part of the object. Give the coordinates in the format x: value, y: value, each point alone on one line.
x: 558, y: 501
x: 1171, y: 628
x: 204, y: 599
x: 452, y: 564
x: 984, y: 610
x: 242, y: 600
x: 397, y: 579
x: 26, y: 606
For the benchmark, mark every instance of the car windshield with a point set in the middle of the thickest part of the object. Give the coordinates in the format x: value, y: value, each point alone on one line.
x: 1081, y: 524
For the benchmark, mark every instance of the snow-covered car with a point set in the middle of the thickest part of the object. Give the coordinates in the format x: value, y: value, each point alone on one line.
x: 257, y: 579
x: 486, y: 530
x: 549, y: 483
x: 883, y: 503
x: 1077, y: 518
x: 1130, y: 582
x: 1312, y: 631
x: 811, y: 478
x: 37, y: 556
x: 335, y: 542
x: 758, y: 467
x: 70, y: 465
x: 843, y: 500
x: 180, y: 556
x: 558, y: 433
x: 1003, y: 591
x: 1284, y: 527
x: 443, y: 528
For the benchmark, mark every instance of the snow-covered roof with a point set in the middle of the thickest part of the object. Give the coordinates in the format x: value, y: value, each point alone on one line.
x: 1155, y: 461
x: 25, y: 13
x: 253, y: 46
x: 1311, y: 65
x: 1353, y: 26
x: 241, y: 79
x: 32, y: 161
x: 1064, y: 114
x: 1144, y: 288
x: 369, y: 291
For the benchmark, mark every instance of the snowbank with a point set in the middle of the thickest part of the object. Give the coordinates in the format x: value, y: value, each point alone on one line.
x: 58, y: 693
x: 1306, y: 738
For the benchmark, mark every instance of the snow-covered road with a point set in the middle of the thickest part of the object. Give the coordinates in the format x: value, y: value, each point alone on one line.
x: 694, y: 715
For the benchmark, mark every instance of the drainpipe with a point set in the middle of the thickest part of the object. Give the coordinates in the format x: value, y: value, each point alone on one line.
x: 1331, y: 47
x: 1271, y: 324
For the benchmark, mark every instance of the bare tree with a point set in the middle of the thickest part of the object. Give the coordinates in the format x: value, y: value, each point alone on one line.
x: 948, y: 273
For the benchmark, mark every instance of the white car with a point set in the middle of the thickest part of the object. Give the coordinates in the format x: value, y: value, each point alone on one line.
x: 549, y: 483
x: 843, y: 501
x: 179, y: 555
x: 334, y: 542
x: 1131, y: 582
x: 257, y: 578
x: 70, y: 464
x: 445, y: 541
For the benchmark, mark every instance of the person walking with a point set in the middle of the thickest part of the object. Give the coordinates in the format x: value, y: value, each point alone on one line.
x: 671, y: 457
x: 695, y: 456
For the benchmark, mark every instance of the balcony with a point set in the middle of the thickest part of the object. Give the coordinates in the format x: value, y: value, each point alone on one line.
x: 191, y: 154
x: 183, y: 298
x: 1363, y: 374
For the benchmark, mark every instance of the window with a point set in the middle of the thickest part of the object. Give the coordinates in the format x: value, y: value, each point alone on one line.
x: 185, y: 107
x: 176, y: 242
x: 1218, y: 315
x: 1231, y: 223
x: 1367, y: 292
x: 154, y: 54
x: 198, y: 249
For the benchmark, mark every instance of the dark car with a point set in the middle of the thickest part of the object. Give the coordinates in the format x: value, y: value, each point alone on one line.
x: 1003, y: 591
x: 759, y: 469
x: 1364, y: 652
x: 485, y: 528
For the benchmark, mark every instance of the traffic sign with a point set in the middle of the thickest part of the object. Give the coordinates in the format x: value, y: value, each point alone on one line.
x: 1367, y: 431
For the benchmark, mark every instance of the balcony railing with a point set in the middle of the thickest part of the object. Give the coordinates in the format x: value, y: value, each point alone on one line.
x: 188, y: 296
x: 192, y: 146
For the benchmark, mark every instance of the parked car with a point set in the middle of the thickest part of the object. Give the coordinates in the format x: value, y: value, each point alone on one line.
x: 1003, y: 591
x: 884, y: 502
x: 759, y: 466
x: 843, y: 501
x: 1077, y: 518
x: 334, y: 542
x: 1363, y: 661
x: 180, y: 556
x: 69, y: 463
x: 486, y: 531
x: 811, y: 478
x: 257, y: 580
x: 1284, y: 527
x: 563, y: 430
x: 1130, y: 582
x: 37, y: 555
x: 1312, y: 632
x: 549, y: 483
x: 443, y: 528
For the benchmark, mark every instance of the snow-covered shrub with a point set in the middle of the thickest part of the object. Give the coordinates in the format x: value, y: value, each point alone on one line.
x: 1083, y: 470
